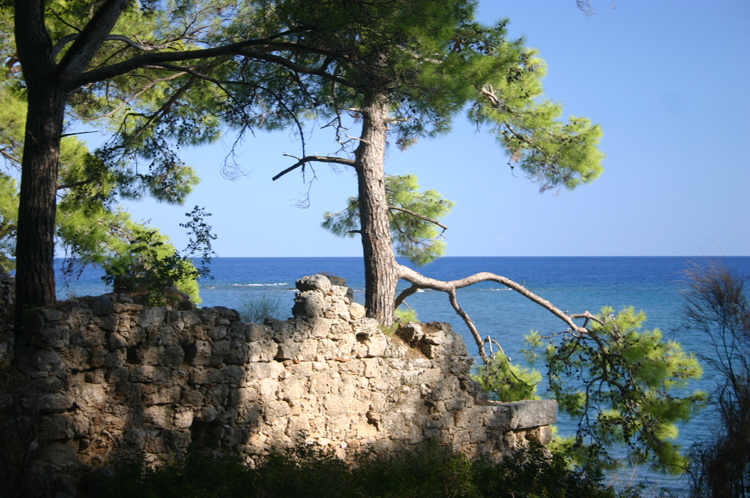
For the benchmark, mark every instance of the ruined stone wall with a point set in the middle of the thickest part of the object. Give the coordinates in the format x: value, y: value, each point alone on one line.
x: 110, y: 379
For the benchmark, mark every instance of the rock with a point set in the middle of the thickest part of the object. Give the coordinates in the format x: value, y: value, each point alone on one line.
x: 318, y: 283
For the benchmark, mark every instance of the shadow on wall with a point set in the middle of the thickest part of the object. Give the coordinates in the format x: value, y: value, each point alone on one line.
x: 111, y: 380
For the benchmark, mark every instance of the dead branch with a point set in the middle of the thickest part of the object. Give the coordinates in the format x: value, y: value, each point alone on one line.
x: 308, y: 159
x: 419, y: 281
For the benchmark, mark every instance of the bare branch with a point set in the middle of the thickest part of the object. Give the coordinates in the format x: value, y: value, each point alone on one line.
x: 308, y: 159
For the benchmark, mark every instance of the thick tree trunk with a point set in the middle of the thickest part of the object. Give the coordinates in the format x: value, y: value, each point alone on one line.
x: 35, y: 244
x: 381, y: 269
x: 35, y: 250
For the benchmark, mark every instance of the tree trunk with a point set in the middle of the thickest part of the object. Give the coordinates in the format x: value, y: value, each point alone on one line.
x: 35, y: 249
x: 381, y: 275
x: 35, y: 243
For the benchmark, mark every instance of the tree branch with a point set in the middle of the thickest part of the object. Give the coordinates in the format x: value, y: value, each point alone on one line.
x: 420, y: 216
x: 419, y: 281
x: 320, y: 159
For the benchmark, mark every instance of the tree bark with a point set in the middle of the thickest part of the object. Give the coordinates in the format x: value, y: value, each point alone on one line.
x: 35, y: 243
x: 381, y: 269
x: 35, y: 250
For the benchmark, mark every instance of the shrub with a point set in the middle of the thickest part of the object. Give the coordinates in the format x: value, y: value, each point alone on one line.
x: 430, y: 471
x: 256, y: 307
x: 717, y: 307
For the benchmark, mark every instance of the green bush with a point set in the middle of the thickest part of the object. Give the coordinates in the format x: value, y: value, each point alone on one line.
x: 431, y: 471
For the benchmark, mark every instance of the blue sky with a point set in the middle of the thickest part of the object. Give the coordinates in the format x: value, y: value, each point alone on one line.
x: 667, y: 80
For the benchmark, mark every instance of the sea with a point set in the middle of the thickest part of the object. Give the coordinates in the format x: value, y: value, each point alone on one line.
x: 573, y: 284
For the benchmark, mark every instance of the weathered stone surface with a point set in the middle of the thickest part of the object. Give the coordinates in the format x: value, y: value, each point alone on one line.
x: 109, y: 376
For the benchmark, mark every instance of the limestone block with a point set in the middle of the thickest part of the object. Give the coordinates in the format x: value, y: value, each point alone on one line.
x: 276, y: 410
x: 356, y: 311
x: 117, y: 341
x: 91, y: 395
x: 336, y: 405
x: 287, y: 351
x: 445, y: 389
x: 206, y: 376
x: 192, y: 397
x: 339, y: 291
x: 270, y: 370
x: 219, y: 349
x: 314, y: 283
x: 48, y: 361
x: 317, y: 327
x: 101, y: 305
x: 411, y: 332
x: 159, y: 415
x: 218, y: 333
x: 125, y: 307
x: 291, y: 390
x: 108, y: 323
x: 254, y: 331
x: 183, y: 419
x: 147, y: 373
x: 531, y: 413
x: 340, y: 309
x: 233, y: 374
x: 156, y: 395
x: 282, y: 331
x: 377, y: 345
x: 151, y: 317
x: 309, y: 304
x: 237, y: 354
x: 217, y: 394
x: 373, y: 367
x: 267, y: 389
x: 51, y: 403
x: 264, y: 350
x: 50, y: 314
x: 173, y: 355
x: 198, y: 353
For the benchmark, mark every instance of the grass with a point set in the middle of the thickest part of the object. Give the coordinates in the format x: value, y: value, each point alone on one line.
x: 256, y: 307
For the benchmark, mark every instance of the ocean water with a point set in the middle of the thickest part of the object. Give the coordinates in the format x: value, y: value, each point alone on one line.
x: 573, y: 284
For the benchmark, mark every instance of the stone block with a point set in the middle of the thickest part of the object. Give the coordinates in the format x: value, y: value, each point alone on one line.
x: 276, y: 410
x: 255, y: 332
x: 411, y: 332
x: 198, y: 353
x: 159, y: 415
x: 156, y: 395
x: 377, y: 345
x: 356, y: 311
x: 319, y: 283
x: 309, y: 304
x: 183, y: 419
x: 52, y: 403
x: 531, y: 413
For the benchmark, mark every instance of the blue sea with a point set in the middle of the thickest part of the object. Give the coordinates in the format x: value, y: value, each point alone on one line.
x: 573, y: 284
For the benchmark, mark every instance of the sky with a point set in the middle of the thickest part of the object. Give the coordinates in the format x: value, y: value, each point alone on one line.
x: 668, y: 82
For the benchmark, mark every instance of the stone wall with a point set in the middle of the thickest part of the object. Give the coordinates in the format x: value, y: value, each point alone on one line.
x: 111, y: 379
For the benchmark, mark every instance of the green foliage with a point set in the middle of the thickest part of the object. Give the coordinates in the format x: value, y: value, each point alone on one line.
x: 256, y: 307
x: 143, y: 261
x: 716, y: 306
x: 8, y: 219
x: 415, y: 237
x: 407, y: 315
x: 428, y: 472
x: 149, y: 266
x: 508, y: 382
x: 622, y: 384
